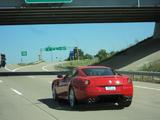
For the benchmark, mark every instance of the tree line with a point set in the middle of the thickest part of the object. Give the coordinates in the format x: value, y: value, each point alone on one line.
x: 80, y: 55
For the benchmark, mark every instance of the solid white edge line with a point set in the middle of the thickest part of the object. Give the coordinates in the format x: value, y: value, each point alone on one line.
x: 143, y: 87
x: 1, y: 81
x: 20, y: 68
x: 16, y: 91
x: 14, y: 70
x: 44, y: 67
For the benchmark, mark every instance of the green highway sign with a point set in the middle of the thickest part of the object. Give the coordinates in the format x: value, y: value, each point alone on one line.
x: 55, y: 48
x: 48, y: 49
x: 23, y: 53
x: 61, y: 48
x: 48, y: 1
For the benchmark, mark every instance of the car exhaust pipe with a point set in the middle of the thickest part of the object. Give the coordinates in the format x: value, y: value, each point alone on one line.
x: 91, y: 100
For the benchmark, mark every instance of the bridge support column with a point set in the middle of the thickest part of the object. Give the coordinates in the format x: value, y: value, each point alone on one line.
x: 156, y: 31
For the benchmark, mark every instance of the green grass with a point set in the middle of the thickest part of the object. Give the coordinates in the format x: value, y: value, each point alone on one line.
x: 152, y: 66
x: 30, y: 63
x: 75, y: 63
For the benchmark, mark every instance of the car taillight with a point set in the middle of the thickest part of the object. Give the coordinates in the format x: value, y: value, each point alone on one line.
x: 86, y: 82
x: 129, y: 80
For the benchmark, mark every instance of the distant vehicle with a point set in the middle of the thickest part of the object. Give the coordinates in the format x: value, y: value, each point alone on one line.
x: 93, y: 84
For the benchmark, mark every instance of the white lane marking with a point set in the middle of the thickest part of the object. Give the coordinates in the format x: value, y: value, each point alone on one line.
x: 8, y: 69
x: 21, y: 68
x: 143, y: 87
x: 50, y: 82
x: 31, y: 76
x: 13, y: 70
x: 16, y: 91
x: 1, y: 81
x: 44, y: 68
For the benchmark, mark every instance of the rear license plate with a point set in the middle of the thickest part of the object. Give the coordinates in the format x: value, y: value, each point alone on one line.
x: 110, y: 88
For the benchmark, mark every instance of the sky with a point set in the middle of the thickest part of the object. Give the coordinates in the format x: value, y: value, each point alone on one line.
x: 88, y: 37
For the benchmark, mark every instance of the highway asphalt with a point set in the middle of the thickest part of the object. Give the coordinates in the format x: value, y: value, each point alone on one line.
x: 29, y: 98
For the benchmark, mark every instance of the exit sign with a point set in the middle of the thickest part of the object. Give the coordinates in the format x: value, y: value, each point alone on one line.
x: 48, y: 1
x: 23, y: 53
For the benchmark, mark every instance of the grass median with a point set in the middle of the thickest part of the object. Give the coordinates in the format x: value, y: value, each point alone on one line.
x: 75, y: 63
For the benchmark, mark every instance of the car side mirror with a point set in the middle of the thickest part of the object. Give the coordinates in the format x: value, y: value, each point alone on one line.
x: 118, y: 74
x: 66, y: 76
x: 59, y: 76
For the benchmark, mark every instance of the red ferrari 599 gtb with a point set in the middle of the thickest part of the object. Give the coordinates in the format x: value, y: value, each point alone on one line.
x: 93, y: 84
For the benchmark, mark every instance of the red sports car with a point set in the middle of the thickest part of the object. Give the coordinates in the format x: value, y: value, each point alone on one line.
x: 93, y: 84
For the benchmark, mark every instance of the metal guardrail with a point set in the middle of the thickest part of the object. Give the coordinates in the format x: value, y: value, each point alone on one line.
x: 136, y: 75
x: 142, y: 76
x: 50, y: 15
x: 140, y: 73
x: 144, y: 73
x: 32, y: 73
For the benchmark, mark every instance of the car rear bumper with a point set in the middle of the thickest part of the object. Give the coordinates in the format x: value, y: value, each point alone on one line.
x: 102, y: 93
x: 112, y: 98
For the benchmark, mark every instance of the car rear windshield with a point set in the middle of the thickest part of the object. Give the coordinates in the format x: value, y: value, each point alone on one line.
x: 98, y: 71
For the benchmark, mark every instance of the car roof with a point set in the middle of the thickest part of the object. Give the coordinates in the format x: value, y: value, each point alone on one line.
x: 83, y: 67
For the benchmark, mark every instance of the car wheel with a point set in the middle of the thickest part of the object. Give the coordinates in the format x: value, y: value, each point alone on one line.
x: 120, y: 103
x: 127, y: 103
x: 54, y: 95
x: 71, y: 98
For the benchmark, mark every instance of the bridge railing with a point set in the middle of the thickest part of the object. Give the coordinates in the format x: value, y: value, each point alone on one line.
x: 33, y: 73
x: 134, y: 75
x: 142, y: 75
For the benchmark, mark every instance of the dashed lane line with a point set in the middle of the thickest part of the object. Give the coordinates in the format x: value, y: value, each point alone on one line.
x: 37, y: 106
x: 16, y: 91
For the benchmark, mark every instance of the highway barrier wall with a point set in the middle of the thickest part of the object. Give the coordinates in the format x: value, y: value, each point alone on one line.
x: 134, y: 75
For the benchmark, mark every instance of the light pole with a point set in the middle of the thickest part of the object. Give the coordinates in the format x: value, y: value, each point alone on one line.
x: 77, y: 51
x: 139, y: 4
x: 77, y: 54
x: 40, y: 55
x: 51, y: 56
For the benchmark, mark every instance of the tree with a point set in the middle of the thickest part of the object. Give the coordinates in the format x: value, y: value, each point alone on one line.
x: 81, y: 54
x: 88, y: 56
x: 78, y: 54
x: 112, y: 53
x: 102, y: 54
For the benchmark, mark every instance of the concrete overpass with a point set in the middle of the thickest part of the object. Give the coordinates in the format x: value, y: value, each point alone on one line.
x: 13, y: 12
x: 86, y: 3
x: 157, y: 31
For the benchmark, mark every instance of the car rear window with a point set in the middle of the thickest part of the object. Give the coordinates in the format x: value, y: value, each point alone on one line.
x: 98, y: 71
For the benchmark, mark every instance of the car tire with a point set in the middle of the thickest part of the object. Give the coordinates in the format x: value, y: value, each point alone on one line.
x: 72, y: 98
x: 54, y: 95
x: 127, y: 103
x: 120, y: 103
